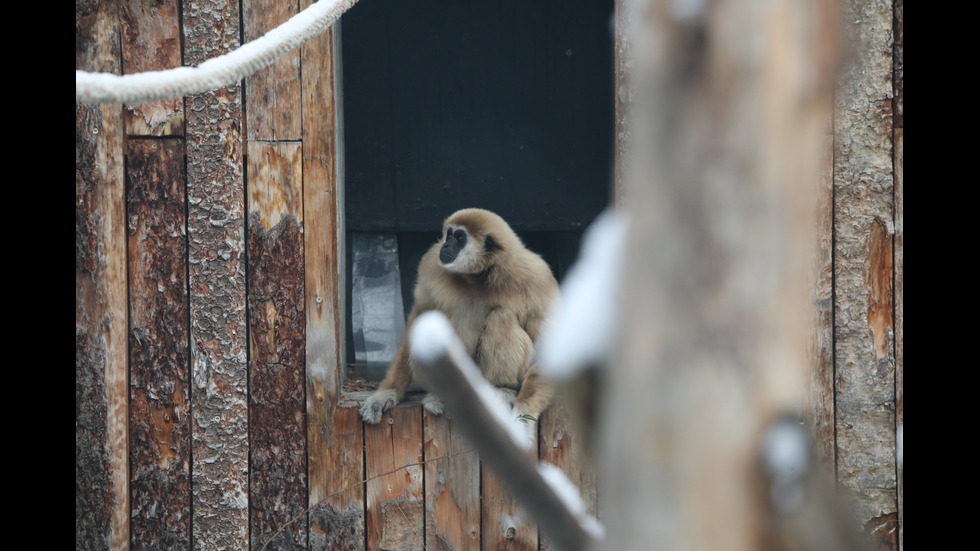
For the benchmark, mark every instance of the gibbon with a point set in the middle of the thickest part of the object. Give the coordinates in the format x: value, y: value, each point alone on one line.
x: 496, y: 294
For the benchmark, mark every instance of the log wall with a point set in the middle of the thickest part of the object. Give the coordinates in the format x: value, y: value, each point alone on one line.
x: 209, y: 310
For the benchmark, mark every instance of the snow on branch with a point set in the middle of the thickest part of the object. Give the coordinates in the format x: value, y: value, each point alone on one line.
x: 448, y: 371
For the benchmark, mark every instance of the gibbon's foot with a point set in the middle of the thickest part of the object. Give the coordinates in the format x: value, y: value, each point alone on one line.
x: 506, y: 394
x: 433, y: 404
x: 378, y: 403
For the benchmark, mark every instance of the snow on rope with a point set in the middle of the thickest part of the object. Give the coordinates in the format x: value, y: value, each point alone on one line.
x: 213, y: 73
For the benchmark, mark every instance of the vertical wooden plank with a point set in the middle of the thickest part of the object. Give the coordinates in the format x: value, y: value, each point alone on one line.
x: 560, y: 446
x: 863, y: 272
x: 159, y: 422
x: 216, y: 249
x: 713, y: 322
x: 277, y: 345
x: 101, y: 443
x: 818, y: 413
x: 899, y: 69
x: 395, y: 519
x: 151, y: 42
x: 505, y: 524
x: 337, y: 523
x: 900, y: 309
x: 334, y: 432
x: 272, y: 94
x: 452, y: 488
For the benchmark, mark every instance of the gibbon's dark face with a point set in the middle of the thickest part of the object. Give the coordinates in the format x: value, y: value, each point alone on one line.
x: 455, y: 242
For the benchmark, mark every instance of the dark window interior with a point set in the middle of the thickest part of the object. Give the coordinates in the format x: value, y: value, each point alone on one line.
x: 503, y: 105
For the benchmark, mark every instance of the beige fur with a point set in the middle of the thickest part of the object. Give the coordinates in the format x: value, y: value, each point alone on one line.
x: 496, y: 302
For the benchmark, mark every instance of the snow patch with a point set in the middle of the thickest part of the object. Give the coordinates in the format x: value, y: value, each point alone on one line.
x: 582, y: 326
x: 570, y: 496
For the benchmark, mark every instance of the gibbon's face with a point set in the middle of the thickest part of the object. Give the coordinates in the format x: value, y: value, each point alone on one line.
x: 459, y: 252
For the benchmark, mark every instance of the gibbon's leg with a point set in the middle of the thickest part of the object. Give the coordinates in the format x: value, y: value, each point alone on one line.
x: 534, y: 397
x: 391, y: 389
x: 504, y: 349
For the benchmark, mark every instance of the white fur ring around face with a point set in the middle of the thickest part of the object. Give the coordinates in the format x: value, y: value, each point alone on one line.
x: 376, y: 404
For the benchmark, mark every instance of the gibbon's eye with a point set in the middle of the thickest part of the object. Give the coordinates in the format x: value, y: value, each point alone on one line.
x: 449, y: 234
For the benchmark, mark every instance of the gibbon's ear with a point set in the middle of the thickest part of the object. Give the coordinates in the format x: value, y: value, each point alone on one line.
x: 490, y: 245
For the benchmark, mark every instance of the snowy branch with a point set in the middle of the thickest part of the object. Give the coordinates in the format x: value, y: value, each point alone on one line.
x: 448, y: 371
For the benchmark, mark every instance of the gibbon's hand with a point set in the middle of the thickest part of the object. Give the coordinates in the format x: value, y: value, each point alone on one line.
x: 378, y: 403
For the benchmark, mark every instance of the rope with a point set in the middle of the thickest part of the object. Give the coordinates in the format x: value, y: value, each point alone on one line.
x: 213, y: 73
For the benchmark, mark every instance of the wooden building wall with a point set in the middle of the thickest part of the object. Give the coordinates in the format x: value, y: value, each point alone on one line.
x: 209, y: 410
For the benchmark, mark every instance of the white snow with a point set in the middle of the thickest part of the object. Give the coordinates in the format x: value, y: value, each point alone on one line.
x: 570, y: 496
x: 433, y: 337
x: 582, y: 326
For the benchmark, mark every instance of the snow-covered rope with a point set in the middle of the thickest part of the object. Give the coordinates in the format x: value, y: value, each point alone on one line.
x: 213, y: 73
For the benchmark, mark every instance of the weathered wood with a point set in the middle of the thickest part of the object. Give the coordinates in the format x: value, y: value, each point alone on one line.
x: 338, y: 523
x: 151, y: 42
x: 505, y: 524
x: 863, y: 272
x: 101, y: 388
x: 818, y: 413
x: 560, y: 446
x: 452, y: 487
x: 272, y: 94
x: 277, y: 345
x: 334, y: 432
x: 899, y: 69
x: 216, y: 254
x: 159, y: 419
x: 900, y: 309
x: 727, y: 124
x: 395, y: 518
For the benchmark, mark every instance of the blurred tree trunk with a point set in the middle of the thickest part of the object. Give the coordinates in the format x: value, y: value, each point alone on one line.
x: 728, y: 103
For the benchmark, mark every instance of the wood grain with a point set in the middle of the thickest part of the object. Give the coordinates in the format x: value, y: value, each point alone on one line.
x: 277, y: 345
x: 395, y: 519
x: 101, y: 373
x: 560, y: 446
x: 452, y: 487
x: 151, y: 42
x: 273, y: 93
x: 159, y: 420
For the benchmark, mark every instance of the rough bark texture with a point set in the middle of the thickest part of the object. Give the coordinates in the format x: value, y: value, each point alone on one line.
x: 900, y: 310
x: 452, y: 488
x: 277, y: 342
x: 216, y: 243
x: 159, y: 422
x: 730, y: 104
x: 151, y: 42
x: 272, y: 94
x: 864, y: 228
x: 395, y: 519
x: 819, y: 411
x: 101, y: 466
x: 559, y: 446
x: 899, y: 70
